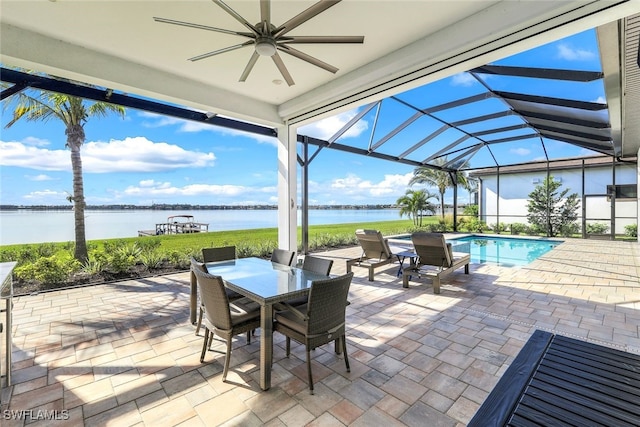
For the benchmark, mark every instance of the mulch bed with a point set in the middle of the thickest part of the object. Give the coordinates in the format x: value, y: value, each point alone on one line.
x: 29, y: 287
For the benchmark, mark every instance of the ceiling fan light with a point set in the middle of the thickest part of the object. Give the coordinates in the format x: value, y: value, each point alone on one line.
x: 265, y: 47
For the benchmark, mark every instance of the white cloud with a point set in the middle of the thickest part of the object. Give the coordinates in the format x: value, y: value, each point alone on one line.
x: 35, y: 142
x: 520, y: 151
x: 129, y: 155
x: 463, y: 79
x: 41, y: 177
x: 158, y: 190
x: 361, y: 190
x: 572, y: 54
x: 27, y: 156
x: 326, y: 128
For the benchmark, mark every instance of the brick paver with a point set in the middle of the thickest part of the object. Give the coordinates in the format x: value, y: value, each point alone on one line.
x: 124, y: 353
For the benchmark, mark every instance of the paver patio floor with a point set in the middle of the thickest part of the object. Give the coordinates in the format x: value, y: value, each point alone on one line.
x: 124, y: 354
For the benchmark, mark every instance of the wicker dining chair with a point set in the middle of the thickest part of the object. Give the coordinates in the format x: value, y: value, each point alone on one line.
x: 222, y: 317
x: 282, y: 256
x: 317, y: 264
x: 221, y: 253
x: 232, y: 295
x: 320, y: 321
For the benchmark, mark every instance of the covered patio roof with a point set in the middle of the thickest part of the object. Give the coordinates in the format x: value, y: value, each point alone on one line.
x: 358, y: 57
x: 126, y: 48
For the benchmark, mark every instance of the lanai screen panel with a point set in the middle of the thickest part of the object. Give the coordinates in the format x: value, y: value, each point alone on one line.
x: 513, y: 111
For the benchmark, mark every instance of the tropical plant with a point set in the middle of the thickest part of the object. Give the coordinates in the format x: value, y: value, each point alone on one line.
x: 440, y: 177
x: 73, y: 112
x: 551, y: 209
x: 631, y: 230
x: 518, y: 228
x: 414, y: 204
x: 471, y: 210
x: 597, y: 228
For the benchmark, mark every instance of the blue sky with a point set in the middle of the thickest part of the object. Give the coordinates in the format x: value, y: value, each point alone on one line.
x: 145, y: 158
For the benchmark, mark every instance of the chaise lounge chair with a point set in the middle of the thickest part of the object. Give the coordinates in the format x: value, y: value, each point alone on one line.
x: 375, y: 252
x: 435, y: 259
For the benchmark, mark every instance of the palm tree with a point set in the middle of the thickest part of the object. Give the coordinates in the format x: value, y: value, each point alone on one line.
x: 414, y: 204
x: 74, y: 113
x: 439, y: 178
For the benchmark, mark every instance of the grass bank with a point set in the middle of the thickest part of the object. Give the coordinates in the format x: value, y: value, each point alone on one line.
x: 47, y: 266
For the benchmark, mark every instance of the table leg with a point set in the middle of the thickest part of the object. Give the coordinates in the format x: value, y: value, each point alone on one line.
x: 266, y: 345
x: 400, y: 261
x: 193, y: 299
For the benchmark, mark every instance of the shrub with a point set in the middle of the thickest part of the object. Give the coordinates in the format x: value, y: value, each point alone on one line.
x: 182, y: 259
x: 518, y: 228
x: 597, y: 228
x: 568, y: 230
x: 94, y: 266
x: 123, y: 258
x: 471, y: 210
x: 498, y: 228
x: 244, y: 250
x: 631, y: 230
x: 473, y: 225
x: 152, y: 259
x: 53, y: 269
x: 446, y: 223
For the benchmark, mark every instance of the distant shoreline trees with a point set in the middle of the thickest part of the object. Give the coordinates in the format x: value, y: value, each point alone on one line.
x: 186, y: 207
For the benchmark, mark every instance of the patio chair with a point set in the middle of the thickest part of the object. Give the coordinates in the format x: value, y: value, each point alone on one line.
x: 232, y: 295
x: 320, y: 321
x: 282, y: 256
x: 222, y: 317
x: 317, y: 265
x: 375, y: 252
x: 435, y: 259
x: 221, y: 253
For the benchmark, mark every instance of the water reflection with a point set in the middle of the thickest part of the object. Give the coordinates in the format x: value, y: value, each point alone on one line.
x: 503, y: 251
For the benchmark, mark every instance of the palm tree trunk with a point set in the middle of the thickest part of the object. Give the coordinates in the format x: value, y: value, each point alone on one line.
x: 442, y: 203
x: 75, y: 139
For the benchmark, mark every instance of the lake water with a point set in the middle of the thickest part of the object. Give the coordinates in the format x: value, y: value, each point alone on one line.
x: 26, y: 226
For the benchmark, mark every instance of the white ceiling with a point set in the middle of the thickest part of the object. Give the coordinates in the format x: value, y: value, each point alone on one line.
x: 117, y: 44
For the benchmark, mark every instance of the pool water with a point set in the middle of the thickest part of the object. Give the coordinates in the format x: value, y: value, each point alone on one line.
x: 504, y: 251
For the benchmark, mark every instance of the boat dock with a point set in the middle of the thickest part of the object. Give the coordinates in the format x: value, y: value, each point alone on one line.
x: 177, y: 224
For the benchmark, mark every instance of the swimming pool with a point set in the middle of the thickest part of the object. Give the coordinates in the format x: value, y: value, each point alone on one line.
x: 504, y: 251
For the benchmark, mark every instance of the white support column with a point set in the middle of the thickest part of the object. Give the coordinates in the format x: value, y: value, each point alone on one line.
x: 287, y: 188
x: 638, y: 203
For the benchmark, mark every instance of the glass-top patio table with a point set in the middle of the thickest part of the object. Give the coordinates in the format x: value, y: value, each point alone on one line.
x: 266, y: 283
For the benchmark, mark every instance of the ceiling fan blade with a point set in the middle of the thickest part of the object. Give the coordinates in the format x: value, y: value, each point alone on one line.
x: 265, y: 12
x: 322, y: 39
x: 304, y: 16
x: 223, y: 50
x: 236, y: 15
x: 308, y: 58
x: 283, y: 70
x: 249, y: 67
x: 201, y: 27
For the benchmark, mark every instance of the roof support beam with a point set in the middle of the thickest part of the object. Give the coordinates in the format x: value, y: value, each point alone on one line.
x: 102, y: 95
x: 540, y: 73
x: 591, y: 106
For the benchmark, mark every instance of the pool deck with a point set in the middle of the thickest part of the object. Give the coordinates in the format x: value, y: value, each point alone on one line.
x: 124, y: 354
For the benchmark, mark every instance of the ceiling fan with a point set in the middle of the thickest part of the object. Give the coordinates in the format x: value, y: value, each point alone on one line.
x: 267, y: 39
